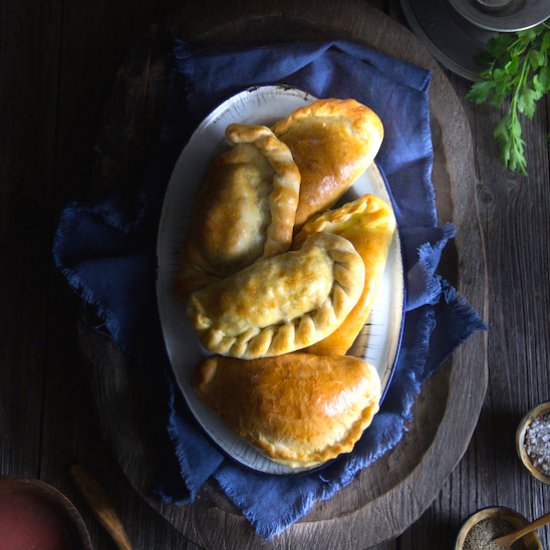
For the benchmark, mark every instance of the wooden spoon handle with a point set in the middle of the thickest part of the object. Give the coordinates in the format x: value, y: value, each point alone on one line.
x: 101, y: 505
x: 508, y: 540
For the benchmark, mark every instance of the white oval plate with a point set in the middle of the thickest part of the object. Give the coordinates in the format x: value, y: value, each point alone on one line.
x: 379, y: 341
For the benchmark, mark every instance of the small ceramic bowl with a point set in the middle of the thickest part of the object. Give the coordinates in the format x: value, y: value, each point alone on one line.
x: 539, y: 410
x: 531, y: 540
x: 34, y: 514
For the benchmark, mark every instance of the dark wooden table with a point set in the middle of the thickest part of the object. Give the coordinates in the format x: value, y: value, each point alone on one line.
x: 57, y: 64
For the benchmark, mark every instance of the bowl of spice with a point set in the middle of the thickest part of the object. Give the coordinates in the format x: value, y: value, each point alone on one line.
x: 533, y: 441
x: 487, y: 524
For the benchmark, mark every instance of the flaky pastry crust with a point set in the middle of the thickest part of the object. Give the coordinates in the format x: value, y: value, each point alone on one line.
x: 332, y: 141
x: 369, y: 224
x: 299, y: 409
x: 244, y: 211
x: 280, y: 304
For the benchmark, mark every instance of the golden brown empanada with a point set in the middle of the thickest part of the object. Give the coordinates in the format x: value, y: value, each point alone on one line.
x: 280, y: 304
x: 245, y: 209
x: 299, y: 409
x: 332, y: 141
x: 369, y: 224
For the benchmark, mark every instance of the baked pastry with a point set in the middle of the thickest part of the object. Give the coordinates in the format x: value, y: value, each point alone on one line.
x: 299, y: 409
x: 280, y: 304
x: 332, y: 141
x: 244, y: 211
x: 369, y: 224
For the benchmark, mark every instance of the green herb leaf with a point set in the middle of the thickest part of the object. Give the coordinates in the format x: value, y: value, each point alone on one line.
x: 516, y: 69
x: 536, y: 59
x: 526, y: 103
x: 543, y: 78
x: 511, y: 145
x: 481, y: 91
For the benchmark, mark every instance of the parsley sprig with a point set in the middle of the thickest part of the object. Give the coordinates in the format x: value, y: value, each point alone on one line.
x: 517, y: 69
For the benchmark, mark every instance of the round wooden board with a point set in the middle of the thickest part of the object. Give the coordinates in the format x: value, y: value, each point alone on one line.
x: 391, y: 494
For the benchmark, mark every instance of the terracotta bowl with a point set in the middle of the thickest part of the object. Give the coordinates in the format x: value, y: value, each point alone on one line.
x: 539, y: 410
x: 531, y: 540
x: 34, y: 514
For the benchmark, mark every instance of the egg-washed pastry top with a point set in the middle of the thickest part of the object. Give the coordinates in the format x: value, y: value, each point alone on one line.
x: 299, y: 409
x: 244, y: 211
x: 332, y: 141
x: 280, y: 304
x: 369, y: 224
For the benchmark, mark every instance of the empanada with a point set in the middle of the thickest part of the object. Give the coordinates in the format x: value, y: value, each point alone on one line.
x: 369, y: 224
x: 280, y: 304
x: 299, y: 409
x: 332, y: 141
x: 245, y: 209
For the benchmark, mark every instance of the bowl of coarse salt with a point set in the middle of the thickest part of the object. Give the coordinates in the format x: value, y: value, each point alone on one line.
x: 533, y: 441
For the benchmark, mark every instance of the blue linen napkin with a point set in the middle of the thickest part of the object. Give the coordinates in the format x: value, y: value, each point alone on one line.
x: 106, y: 252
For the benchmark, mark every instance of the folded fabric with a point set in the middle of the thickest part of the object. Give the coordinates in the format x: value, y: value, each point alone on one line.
x: 106, y: 251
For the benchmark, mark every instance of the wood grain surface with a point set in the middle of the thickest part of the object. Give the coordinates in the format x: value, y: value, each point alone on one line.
x: 58, y: 63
